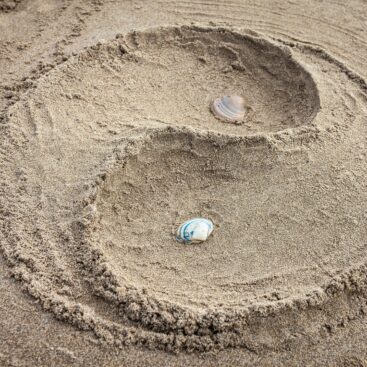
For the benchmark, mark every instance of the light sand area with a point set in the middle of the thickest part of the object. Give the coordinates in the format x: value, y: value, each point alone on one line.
x: 108, y: 143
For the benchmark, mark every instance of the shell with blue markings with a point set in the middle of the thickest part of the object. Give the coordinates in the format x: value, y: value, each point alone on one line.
x: 195, y: 230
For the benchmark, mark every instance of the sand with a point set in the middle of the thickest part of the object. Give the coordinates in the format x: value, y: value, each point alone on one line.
x: 108, y: 144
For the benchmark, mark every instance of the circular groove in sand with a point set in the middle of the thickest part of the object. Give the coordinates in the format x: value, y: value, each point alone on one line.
x: 97, y: 166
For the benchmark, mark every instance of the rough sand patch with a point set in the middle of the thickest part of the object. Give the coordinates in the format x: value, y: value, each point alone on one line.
x: 8, y: 5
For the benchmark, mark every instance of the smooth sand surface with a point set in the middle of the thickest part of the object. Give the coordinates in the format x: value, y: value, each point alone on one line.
x: 108, y: 143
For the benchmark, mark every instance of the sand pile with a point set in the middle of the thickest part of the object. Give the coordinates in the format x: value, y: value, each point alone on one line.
x: 117, y: 146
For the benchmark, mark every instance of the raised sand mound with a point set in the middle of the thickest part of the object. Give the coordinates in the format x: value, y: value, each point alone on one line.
x: 116, y: 147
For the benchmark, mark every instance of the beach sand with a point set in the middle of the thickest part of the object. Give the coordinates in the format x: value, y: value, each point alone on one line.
x: 108, y: 144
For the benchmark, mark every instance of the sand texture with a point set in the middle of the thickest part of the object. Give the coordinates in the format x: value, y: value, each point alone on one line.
x: 108, y: 144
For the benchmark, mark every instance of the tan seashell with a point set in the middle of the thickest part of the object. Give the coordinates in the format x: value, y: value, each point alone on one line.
x: 229, y: 108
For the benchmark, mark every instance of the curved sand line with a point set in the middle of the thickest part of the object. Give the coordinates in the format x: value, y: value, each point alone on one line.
x: 89, y: 155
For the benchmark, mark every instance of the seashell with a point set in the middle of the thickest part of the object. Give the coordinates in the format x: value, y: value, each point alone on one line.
x: 195, y: 230
x: 229, y: 108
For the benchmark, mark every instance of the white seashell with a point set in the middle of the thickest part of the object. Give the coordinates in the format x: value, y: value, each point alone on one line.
x: 229, y: 108
x: 195, y: 230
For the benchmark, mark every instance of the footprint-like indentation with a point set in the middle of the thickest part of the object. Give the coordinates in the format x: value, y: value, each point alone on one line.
x: 258, y: 245
x: 174, y: 75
